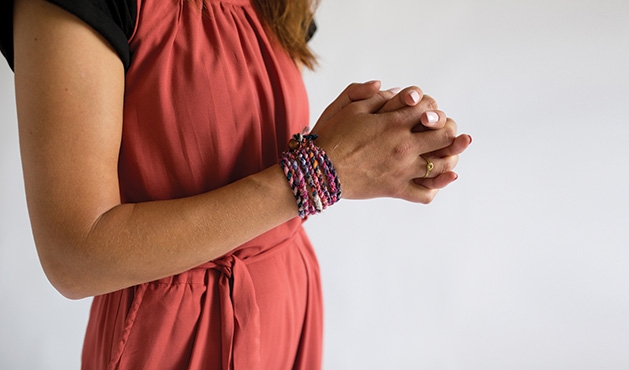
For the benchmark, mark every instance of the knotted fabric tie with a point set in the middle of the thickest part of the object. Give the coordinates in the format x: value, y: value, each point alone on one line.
x: 240, y: 318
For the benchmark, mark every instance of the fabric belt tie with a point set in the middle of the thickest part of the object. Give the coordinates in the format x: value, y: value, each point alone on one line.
x: 240, y: 316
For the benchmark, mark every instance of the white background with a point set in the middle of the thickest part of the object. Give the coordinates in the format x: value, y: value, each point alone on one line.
x: 523, y: 263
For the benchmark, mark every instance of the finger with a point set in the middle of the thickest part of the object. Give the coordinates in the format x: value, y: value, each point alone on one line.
x: 418, y: 193
x: 388, y: 94
x: 374, y: 103
x: 429, y: 141
x: 431, y: 120
x: 408, y: 97
x: 458, y: 146
x: 411, y: 115
x: 436, y: 183
x: 428, y: 103
x: 428, y: 167
x: 360, y: 91
x: 352, y: 93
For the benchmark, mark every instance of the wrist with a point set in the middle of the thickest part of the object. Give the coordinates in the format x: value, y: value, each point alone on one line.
x: 310, y: 175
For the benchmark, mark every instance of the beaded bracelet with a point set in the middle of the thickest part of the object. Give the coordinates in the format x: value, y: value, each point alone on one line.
x: 310, y: 174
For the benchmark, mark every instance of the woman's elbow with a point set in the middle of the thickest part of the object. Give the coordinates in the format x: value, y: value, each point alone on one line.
x: 65, y: 272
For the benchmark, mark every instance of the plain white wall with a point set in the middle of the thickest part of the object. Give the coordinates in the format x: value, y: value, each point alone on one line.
x: 523, y: 263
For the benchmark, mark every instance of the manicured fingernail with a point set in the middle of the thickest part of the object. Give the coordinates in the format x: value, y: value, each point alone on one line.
x: 415, y: 96
x: 432, y: 117
x: 395, y: 90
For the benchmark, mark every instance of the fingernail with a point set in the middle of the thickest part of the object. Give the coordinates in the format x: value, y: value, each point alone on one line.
x: 432, y: 117
x: 470, y: 138
x: 456, y: 176
x: 395, y: 90
x: 372, y: 82
x: 414, y: 96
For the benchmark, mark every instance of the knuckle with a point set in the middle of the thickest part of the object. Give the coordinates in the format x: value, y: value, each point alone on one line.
x: 451, y: 163
x: 396, y: 119
x: 385, y: 94
x: 450, y: 128
x: 379, y: 99
x: 352, y: 91
x: 425, y: 199
x: 454, y: 161
x: 348, y: 90
x: 401, y: 150
x: 451, y: 122
x: 429, y: 197
x: 429, y: 103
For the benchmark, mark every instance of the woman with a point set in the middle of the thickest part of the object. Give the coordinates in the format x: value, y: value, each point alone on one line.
x: 151, y: 135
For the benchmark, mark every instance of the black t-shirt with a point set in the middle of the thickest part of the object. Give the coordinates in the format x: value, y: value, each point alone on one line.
x: 113, y: 19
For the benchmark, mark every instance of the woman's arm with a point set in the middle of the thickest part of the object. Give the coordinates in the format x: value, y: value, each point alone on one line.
x: 69, y: 91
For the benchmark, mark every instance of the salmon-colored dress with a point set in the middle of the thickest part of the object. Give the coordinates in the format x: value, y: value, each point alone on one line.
x: 210, y: 98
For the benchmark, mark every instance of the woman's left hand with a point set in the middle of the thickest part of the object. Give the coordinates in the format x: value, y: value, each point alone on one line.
x: 444, y: 160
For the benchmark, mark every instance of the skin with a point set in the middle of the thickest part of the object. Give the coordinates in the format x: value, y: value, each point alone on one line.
x: 69, y: 92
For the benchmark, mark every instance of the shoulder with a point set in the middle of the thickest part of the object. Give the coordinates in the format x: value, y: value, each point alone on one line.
x: 114, y: 20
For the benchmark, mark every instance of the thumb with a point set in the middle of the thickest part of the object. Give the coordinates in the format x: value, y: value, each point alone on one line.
x: 352, y: 93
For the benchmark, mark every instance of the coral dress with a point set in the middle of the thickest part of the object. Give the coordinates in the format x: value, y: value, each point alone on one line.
x: 210, y: 98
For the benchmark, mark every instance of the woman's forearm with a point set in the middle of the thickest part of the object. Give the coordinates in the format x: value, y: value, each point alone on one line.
x: 135, y: 243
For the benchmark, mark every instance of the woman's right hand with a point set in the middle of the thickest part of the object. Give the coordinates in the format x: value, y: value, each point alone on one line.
x: 376, y: 141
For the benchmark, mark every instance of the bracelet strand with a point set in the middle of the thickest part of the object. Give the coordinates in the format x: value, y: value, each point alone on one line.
x: 310, y: 174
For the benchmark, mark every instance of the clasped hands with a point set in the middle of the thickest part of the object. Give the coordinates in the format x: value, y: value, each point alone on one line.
x: 382, y: 143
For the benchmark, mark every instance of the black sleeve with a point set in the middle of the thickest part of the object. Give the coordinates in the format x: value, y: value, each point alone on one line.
x: 112, y: 19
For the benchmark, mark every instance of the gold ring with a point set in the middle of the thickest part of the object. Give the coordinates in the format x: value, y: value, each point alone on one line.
x: 429, y: 166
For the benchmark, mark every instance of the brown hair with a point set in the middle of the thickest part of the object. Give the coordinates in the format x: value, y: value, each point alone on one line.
x: 290, y: 22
